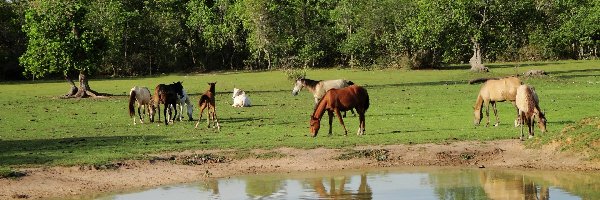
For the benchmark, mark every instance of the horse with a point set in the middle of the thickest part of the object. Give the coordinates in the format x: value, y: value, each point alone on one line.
x: 492, y: 91
x: 529, y: 109
x: 141, y: 95
x: 207, y: 100
x: 161, y: 89
x: 184, y: 100
x: 336, y: 100
x: 240, y: 99
x: 319, y: 88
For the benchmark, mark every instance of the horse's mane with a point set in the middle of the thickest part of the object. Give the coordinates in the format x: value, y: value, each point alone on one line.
x: 319, y: 109
x: 310, y: 83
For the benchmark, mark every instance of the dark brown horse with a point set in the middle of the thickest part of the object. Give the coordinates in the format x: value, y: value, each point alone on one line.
x: 207, y: 100
x: 161, y: 90
x: 336, y: 100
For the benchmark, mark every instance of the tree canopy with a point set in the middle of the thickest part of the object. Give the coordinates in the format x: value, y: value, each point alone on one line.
x: 137, y: 37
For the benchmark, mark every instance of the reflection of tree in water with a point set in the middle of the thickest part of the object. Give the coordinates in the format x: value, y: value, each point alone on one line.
x: 337, y: 188
x: 261, y: 187
x: 452, y: 184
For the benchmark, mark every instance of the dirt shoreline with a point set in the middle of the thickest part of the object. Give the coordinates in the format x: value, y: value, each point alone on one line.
x: 66, y: 182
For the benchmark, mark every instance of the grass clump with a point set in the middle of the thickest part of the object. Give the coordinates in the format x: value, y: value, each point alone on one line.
x: 377, y: 154
x: 6, y: 172
x: 582, y: 136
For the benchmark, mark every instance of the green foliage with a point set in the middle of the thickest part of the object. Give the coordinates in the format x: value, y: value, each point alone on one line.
x: 147, y: 37
x: 407, y: 107
x: 58, y: 42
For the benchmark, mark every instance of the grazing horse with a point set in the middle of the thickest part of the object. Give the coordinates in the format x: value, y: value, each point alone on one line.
x: 319, y: 88
x: 529, y: 109
x: 492, y: 91
x: 240, y: 99
x: 207, y: 100
x: 162, y: 89
x: 141, y: 95
x: 184, y: 100
x: 336, y: 100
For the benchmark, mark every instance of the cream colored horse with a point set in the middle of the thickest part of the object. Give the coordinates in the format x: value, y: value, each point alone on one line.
x: 494, y: 90
x: 141, y: 95
x: 529, y: 109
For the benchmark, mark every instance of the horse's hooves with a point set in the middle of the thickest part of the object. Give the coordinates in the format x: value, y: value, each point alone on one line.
x: 496, y: 125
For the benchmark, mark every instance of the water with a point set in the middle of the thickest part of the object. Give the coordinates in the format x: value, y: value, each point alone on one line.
x: 405, y: 183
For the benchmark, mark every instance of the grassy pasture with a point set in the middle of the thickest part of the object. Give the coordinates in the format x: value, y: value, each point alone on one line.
x: 37, y: 128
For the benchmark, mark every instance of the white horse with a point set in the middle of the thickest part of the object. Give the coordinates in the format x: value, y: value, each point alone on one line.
x: 142, y: 96
x: 185, y: 101
x: 240, y: 99
x: 319, y: 88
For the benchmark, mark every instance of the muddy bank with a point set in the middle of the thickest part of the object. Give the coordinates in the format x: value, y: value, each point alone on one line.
x: 64, y: 182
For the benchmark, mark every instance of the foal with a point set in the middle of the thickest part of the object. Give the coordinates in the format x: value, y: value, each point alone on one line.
x: 207, y: 100
x: 528, y: 104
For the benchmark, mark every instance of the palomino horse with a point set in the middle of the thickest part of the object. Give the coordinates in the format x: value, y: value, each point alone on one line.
x: 492, y: 91
x: 336, y: 100
x: 141, y: 95
x: 162, y: 89
x: 207, y: 100
x: 319, y: 88
x: 529, y: 109
x: 184, y: 100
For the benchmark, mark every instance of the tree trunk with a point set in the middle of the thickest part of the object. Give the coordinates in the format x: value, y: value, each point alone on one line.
x: 476, y: 63
x: 73, y: 89
x: 84, y: 88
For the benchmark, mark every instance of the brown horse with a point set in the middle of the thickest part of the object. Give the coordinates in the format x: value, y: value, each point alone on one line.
x: 529, y: 109
x: 207, y: 100
x: 492, y: 91
x: 161, y: 90
x: 336, y: 100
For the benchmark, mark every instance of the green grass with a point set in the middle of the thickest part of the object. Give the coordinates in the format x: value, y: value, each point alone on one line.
x: 407, y: 107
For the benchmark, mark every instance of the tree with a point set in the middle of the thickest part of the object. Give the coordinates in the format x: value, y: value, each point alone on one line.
x: 60, y: 43
x: 12, y: 39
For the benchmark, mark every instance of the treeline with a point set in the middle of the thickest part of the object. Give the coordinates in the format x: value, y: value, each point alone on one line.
x: 141, y: 37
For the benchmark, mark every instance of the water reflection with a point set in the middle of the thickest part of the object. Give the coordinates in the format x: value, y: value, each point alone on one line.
x: 412, y: 183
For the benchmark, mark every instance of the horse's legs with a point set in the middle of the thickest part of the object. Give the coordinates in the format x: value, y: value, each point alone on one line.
x: 522, y: 124
x: 202, y: 106
x: 487, y: 113
x: 495, y: 113
x: 216, y: 120
x: 518, y: 119
x: 330, y: 114
x: 165, y: 113
x: 531, y: 126
x: 175, y: 108
x: 337, y: 112
x: 140, y: 114
x: 361, y: 124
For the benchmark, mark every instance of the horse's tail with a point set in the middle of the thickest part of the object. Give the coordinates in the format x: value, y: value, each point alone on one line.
x: 481, y: 80
x: 131, y: 102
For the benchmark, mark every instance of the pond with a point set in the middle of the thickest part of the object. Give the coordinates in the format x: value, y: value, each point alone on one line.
x: 394, y: 183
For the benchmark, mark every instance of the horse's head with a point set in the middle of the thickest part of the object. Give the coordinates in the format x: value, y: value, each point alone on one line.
x: 542, y: 122
x: 315, y: 125
x: 298, y: 86
x: 236, y: 92
x: 477, y: 113
x: 151, y: 110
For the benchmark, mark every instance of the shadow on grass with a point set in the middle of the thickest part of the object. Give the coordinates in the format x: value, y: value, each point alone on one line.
x: 574, y: 71
x: 434, y: 83
x: 45, y: 151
